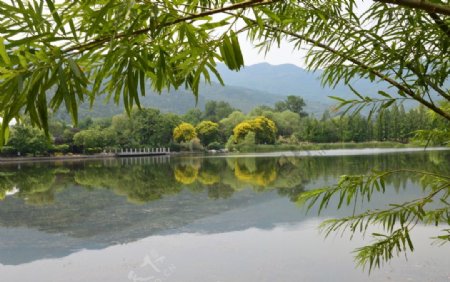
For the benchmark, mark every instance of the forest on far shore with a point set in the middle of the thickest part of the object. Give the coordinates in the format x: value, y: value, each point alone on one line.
x: 221, y: 126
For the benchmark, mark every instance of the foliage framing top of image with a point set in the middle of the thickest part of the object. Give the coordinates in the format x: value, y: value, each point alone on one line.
x: 78, y: 50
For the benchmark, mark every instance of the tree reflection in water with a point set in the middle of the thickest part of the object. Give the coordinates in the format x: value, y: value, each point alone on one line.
x: 147, y: 180
x: 219, y: 177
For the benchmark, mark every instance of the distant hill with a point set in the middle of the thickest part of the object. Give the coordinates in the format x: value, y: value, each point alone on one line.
x: 260, y: 84
x: 181, y: 100
x: 288, y: 79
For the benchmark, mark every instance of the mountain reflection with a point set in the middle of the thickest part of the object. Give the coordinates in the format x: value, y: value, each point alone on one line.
x: 67, y: 206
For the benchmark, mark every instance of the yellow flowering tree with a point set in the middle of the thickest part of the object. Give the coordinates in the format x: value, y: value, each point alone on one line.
x: 207, y: 131
x: 184, y: 132
x: 264, y: 129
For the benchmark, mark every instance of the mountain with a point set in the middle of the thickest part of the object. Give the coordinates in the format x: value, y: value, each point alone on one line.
x: 277, y: 79
x: 288, y: 79
x: 259, y: 84
x: 181, y: 100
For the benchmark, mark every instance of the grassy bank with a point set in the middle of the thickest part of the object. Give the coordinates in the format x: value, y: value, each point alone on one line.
x: 319, y: 146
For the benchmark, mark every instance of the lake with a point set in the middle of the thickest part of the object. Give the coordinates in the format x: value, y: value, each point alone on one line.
x: 203, y: 218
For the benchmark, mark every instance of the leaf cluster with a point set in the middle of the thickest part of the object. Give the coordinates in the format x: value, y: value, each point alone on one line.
x: 83, y: 49
x: 397, y: 220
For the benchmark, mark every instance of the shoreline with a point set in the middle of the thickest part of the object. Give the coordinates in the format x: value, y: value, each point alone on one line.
x: 80, y: 157
x: 5, y: 160
x: 101, y: 156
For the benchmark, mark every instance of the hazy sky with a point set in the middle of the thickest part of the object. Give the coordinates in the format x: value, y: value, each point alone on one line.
x: 285, y: 54
x: 276, y: 56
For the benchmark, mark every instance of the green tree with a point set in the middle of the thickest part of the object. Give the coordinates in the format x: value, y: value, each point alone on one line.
x: 167, y: 124
x: 292, y: 103
x: 56, y: 129
x: 227, y: 124
x: 184, y: 132
x: 103, y: 122
x: 439, y: 131
x: 260, y: 110
x: 121, y: 126
x: 94, y: 138
x: 217, y: 110
x: 207, y: 132
x: 86, y: 123
x: 144, y: 127
x: 193, y: 116
x: 287, y: 122
x: 28, y: 140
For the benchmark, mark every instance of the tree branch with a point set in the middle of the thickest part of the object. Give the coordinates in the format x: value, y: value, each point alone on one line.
x: 424, y: 5
x: 440, y: 23
x: 100, y: 41
x: 366, y: 67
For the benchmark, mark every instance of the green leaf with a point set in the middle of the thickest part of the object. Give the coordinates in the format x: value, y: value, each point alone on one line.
x: 388, y: 104
x: 239, y: 59
x: 271, y: 14
x: 3, y: 53
x: 142, y: 82
x: 384, y: 94
x: 55, y: 16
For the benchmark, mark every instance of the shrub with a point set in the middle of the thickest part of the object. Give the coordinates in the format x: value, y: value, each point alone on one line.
x: 63, y: 148
x: 8, y: 151
x: 175, y: 147
x: 215, y: 146
x: 195, y: 145
x: 95, y: 150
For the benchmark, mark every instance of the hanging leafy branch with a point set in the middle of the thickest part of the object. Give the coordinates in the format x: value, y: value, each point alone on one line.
x: 397, y: 220
x: 86, y: 48
x: 402, y: 47
x: 60, y: 54
x: 428, y: 6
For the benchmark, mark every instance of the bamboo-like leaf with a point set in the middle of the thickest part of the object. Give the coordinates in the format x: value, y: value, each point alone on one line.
x: 3, y: 53
x: 142, y: 82
x: 239, y: 59
x: 42, y: 111
x: 384, y: 94
x: 388, y: 104
x: 55, y: 16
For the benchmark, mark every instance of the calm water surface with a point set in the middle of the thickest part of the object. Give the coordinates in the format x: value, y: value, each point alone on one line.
x: 209, y: 218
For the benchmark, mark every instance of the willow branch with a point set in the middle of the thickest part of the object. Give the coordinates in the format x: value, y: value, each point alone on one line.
x: 100, y: 41
x: 364, y: 66
x: 440, y: 23
x: 424, y: 5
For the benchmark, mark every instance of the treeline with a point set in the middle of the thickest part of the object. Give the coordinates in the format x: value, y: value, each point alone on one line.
x: 218, y: 126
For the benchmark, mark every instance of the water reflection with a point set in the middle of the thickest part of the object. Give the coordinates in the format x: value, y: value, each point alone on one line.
x: 143, y: 180
x: 68, y: 206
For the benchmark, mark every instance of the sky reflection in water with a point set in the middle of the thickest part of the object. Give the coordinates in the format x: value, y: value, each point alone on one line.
x: 196, y: 219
